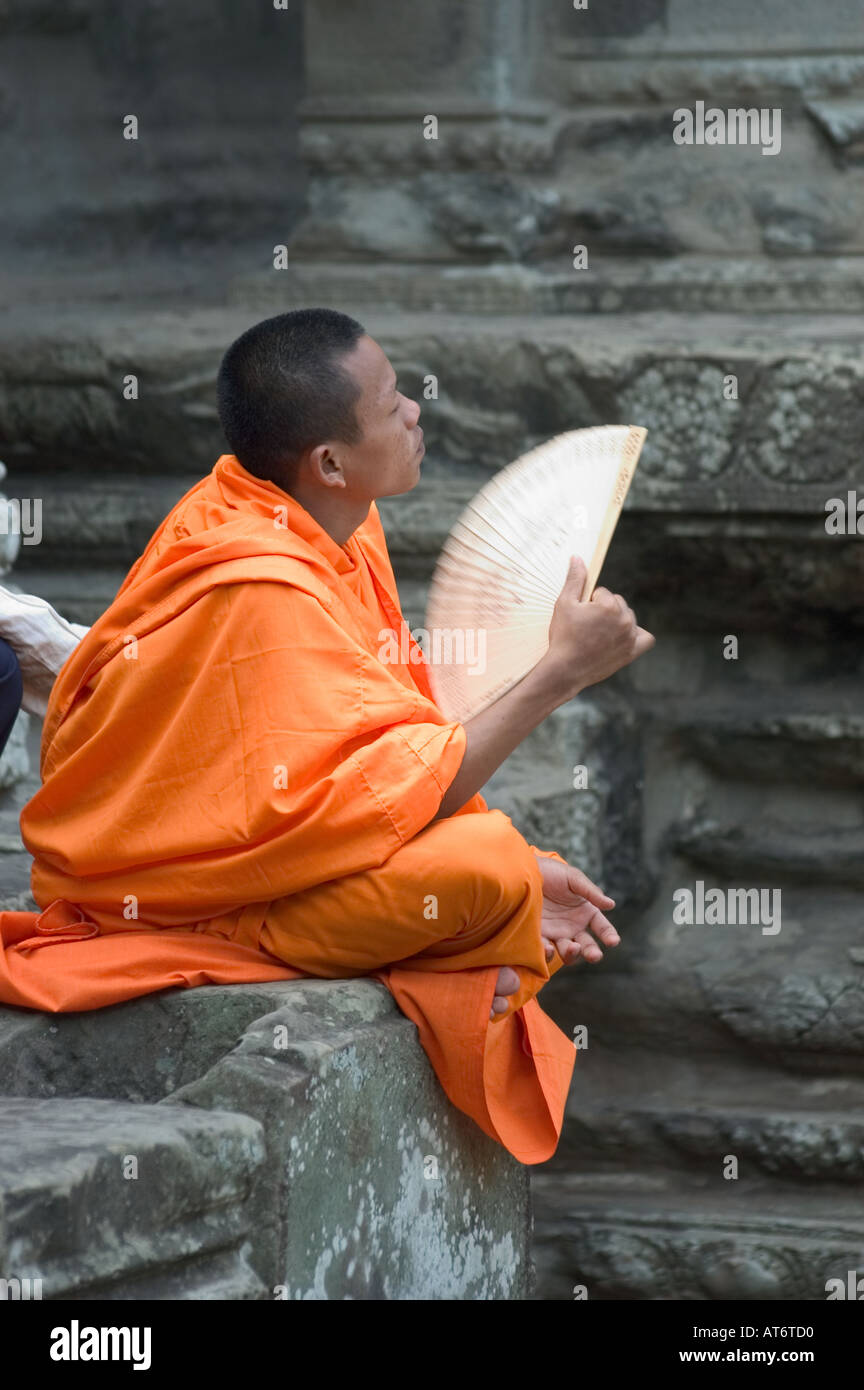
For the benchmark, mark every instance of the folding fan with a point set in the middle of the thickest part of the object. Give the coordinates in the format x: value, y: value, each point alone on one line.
x: 505, y: 561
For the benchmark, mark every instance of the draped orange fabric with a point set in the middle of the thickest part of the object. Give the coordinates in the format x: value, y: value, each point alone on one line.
x: 238, y: 786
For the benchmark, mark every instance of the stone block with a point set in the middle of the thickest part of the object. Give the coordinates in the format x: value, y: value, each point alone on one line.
x: 633, y: 1235
x: 360, y: 1179
x: 374, y: 1186
x: 101, y: 1199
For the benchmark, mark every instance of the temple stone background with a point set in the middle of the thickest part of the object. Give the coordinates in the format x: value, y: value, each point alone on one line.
x: 720, y: 308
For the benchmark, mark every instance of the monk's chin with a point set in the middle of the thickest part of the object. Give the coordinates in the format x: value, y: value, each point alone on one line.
x: 408, y: 485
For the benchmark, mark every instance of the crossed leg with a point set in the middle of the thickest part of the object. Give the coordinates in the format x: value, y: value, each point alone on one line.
x: 465, y: 893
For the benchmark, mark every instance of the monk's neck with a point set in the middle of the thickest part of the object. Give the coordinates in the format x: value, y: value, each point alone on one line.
x: 338, y: 516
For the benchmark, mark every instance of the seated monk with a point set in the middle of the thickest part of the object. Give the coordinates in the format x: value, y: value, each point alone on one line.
x: 236, y: 787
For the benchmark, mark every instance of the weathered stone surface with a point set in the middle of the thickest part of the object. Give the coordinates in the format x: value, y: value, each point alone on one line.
x: 366, y: 1182
x: 843, y: 123
x: 699, y: 282
x: 502, y: 387
x: 609, y: 95
x: 820, y: 1013
x: 631, y: 1109
x: 374, y: 1187
x: 836, y: 856
x: 684, y: 79
x: 575, y: 786
x: 637, y: 1236
x: 139, y: 1051
x: 825, y: 746
x: 195, y: 175
x: 101, y: 1199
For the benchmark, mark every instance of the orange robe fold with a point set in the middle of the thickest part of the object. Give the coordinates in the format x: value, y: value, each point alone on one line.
x: 239, y: 781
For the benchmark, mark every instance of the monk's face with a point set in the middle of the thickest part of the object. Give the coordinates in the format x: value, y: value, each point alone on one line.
x: 387, y: 459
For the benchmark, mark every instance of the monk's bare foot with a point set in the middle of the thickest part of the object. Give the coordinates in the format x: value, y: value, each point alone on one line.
x: 508, y: 983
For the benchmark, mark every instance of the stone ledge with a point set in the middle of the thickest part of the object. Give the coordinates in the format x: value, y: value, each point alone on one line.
x: 505, y: 384
x: 94, y: 1193
x: 690, y: 284
x: 649, y: 1111
x: 375, y: 1187
x: 637, y: 1236
x: 366, y: 1183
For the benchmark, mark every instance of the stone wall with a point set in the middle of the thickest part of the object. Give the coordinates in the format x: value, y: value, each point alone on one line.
x: 213, y: 166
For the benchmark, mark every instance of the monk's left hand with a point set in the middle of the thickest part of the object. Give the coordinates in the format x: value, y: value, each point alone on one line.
x: 571, y: 913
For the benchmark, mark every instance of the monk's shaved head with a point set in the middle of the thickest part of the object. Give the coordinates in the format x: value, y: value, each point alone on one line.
x: 283, y: 389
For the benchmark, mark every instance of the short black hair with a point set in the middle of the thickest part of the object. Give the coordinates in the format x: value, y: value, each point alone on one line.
x: 282, y: 389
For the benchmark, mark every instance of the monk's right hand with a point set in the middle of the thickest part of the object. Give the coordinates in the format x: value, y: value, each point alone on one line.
x: 590, y: 641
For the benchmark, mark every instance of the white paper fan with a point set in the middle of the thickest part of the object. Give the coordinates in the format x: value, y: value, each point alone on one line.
x: 505, y: 561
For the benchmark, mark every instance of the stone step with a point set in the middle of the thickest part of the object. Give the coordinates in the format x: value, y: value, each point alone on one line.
x: 111, y: 518
x: 505, y: 383
x: 142, y: 1050
x: 653, y: 564
x: 799, y: 1006
x: 815, y: 736
x: 107, y: 469
x: 217, y: 1277
x: 613, y: 285
x: 631, y: 1107
x: 634, y: 1235
x: 832, y: 856
x: 374, y: 1184
x: 698, y: 28
x: 675, y: 75
x: 245, y: 282
x: 79, y: 1216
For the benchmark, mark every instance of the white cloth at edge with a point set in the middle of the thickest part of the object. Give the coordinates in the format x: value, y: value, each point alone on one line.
x: 41, y: 639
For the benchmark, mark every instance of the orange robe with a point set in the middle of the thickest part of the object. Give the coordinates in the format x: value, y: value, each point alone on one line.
x: 237, y: 787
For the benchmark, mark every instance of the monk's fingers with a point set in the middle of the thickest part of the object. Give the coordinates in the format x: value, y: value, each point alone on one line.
x: 576, y: 925
x: 564, y: 943
x: 589, y: 949
x: 569, y: 950
x: 576, y: 942
x: 603, y: 930
x: 581, y: 886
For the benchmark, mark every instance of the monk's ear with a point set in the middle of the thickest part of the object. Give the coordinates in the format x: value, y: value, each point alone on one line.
x: 325, y: 466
